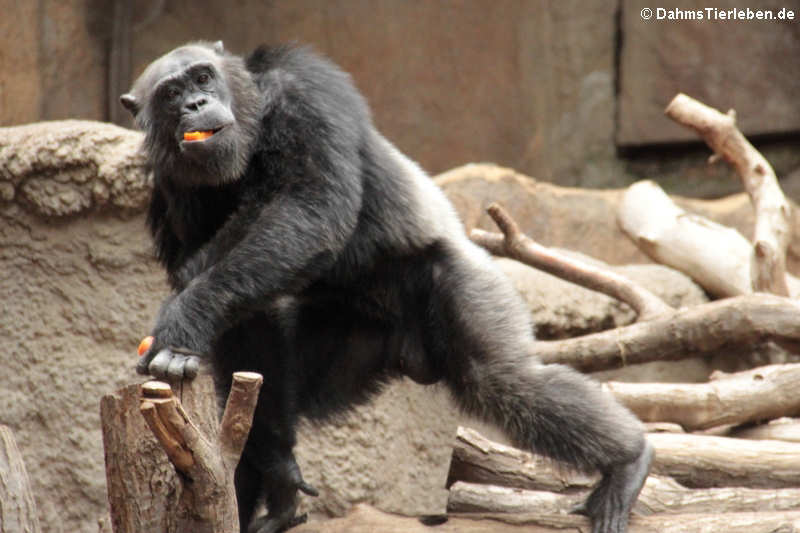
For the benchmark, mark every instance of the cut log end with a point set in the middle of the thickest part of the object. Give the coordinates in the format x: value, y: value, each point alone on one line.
x: 156, y: 389
x: 249, y: 377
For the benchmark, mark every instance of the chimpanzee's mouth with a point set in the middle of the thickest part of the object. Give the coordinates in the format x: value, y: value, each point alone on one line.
x: 199, y: 135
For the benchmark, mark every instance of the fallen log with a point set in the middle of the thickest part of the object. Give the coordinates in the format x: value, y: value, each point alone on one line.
x: 763, y: 393
x: 787, y: 429
x: 466, y: 497
x: 701, y: 461
x: 695, y: 461
x: 686, y: 333
x: 477, y: 459
x: 365, y: 519
x: 659, y: 495
x: 715, y: 256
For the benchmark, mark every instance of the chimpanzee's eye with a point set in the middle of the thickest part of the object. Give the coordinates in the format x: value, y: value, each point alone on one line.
x: 203, y: 79
x: 173, y: 93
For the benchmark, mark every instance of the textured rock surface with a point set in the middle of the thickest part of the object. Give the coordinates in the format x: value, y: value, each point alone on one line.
x: 78, y: 289
x: 62, y: 168
x: 76, y: 296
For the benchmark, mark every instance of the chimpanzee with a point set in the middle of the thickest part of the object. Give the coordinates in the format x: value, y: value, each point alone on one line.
x: 301, y: 244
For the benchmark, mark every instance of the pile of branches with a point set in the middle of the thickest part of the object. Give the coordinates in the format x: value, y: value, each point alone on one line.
x: 727, y: 451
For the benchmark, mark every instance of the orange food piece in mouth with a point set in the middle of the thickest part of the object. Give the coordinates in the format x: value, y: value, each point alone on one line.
x: 197, y: 135
x: 145, y: 345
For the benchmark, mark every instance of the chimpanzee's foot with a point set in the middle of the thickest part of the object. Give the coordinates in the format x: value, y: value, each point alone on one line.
x: 282, y: 500
x: 609, y: 504
x: 276, y: 524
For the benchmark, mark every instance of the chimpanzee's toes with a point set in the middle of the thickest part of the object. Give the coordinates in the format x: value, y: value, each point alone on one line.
x: 267, y: 524
x: 610, y: 503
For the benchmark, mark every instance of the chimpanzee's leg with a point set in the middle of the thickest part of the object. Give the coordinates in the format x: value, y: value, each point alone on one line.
x: 267, y: 471
x: 280, y: 482
x: 324, y: 356
x: 548, y: 409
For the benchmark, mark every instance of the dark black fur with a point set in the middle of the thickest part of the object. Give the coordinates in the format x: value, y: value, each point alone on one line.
x: 302, y: 245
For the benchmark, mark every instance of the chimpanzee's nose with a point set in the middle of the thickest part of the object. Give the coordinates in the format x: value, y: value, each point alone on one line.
x: 194, y: 104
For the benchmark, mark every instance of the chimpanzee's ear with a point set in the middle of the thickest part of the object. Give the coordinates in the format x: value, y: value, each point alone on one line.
x: 130, y: 103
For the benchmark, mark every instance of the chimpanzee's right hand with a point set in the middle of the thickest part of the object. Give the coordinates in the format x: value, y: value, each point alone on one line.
x: 178, y: 345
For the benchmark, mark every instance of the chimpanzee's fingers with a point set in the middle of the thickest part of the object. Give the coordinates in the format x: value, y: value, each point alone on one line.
x: 182, y: 366
x: 191, y: 367
x: 160, y: 363
x: 143, y: 366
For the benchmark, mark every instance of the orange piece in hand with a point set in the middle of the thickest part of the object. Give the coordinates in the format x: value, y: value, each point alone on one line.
x: 197, y: 135
x: 145, y: 345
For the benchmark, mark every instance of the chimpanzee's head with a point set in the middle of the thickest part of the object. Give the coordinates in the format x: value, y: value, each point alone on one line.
x: 200, y: 111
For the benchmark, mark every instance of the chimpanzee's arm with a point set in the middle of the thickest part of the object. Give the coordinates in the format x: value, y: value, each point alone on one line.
x: 290, y: 241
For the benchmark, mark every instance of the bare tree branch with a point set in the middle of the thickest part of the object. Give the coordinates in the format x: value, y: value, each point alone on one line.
x: 774, y: 215
x: 516, y: 245
x: 715, y: 256
x: 155, y: 414
x: 686, y: 333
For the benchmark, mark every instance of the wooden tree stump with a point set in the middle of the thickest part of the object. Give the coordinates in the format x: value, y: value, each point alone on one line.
x: 169, y: 463
x: 17, y: 506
